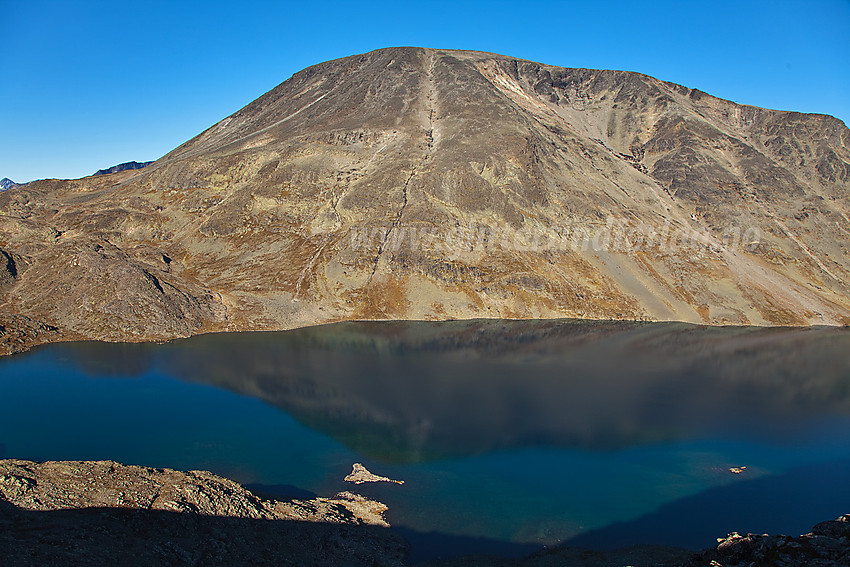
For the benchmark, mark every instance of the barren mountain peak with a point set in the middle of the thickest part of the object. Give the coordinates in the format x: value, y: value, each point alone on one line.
x: 411, y: 183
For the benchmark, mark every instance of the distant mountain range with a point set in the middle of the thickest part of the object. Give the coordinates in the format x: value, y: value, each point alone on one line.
x: 123, y: 167
x: 7, y: 183
x: 424, y: 184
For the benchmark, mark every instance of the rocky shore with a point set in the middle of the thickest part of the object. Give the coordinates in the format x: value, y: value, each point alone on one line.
x: 19, y: 333
x: 103, y: 512
x: 106, y: 513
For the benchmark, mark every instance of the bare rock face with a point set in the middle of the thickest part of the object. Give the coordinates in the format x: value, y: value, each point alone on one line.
x: 827, y: 545
x: 92, y: 484
x: 412, y: 183
x: 360, y: 475
x: 17, y: 333
x: 8, y: 270
x: 101, y: 512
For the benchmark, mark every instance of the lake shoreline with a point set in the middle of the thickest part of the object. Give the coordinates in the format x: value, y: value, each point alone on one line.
x: 20, y: 334
x: 82, y: 512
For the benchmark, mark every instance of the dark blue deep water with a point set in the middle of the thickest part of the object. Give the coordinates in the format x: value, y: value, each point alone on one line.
x: 509, y: 434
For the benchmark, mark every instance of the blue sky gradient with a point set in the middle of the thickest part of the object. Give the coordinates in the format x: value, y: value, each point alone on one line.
x: 88, y: 84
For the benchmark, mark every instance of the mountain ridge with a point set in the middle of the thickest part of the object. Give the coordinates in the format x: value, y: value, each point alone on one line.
x: 412, y: 183
x: 123, y: 167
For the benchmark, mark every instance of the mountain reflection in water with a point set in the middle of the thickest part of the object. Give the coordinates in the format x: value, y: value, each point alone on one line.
x: 417, y: 391
x: 520, y: 432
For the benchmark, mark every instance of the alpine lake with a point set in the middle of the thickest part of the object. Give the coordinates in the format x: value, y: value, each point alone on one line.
x: 509, y: 435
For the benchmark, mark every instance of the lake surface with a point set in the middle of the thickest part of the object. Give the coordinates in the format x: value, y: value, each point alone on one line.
x: 509, y: 434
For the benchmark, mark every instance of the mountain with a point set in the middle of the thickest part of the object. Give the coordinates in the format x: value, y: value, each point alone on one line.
x: 6, y: 183
x: 123, y: 167
x: 412, y: 183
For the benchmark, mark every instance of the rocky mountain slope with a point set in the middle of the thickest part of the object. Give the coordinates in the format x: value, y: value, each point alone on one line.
x: 6, y: 183
x: 412, y: 183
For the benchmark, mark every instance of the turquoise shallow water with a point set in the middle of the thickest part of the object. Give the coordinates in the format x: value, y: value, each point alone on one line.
x: 509, y: 435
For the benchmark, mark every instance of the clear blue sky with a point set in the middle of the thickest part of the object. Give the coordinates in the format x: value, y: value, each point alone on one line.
x: 86, y: 85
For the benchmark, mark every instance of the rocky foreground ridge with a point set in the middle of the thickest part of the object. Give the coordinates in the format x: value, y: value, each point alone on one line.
x: 106, y: 513
x: 103, y: 512
x: 417, y: 184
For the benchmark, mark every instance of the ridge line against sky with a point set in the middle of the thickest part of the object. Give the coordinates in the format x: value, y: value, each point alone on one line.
x: 90, y: 84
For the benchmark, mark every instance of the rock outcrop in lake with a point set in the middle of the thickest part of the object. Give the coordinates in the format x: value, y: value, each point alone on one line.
x: 413, y: 183
x: 360, y: 474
